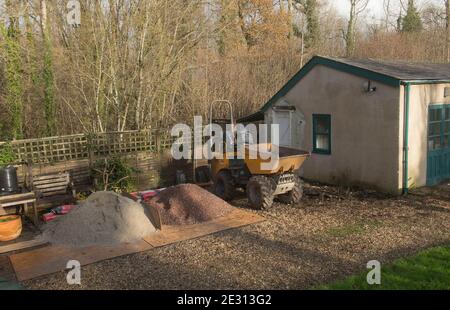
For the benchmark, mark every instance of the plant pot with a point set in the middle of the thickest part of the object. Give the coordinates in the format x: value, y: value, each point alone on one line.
x: 10, y: 227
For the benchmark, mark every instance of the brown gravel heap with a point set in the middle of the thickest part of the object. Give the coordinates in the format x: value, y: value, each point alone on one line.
x: 189, y: 204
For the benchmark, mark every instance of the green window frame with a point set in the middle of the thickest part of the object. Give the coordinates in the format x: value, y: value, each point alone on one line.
x: 322, y: 134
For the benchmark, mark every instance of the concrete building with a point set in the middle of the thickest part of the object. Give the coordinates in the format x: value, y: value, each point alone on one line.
x: 375, y: 124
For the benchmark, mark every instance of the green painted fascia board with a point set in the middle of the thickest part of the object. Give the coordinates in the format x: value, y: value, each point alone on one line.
x: 436, y: 106
x: 317, y: 60
x: 425, y: 82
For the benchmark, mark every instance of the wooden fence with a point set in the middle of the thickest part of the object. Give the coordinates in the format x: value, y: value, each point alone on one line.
x: 89, y: 146
x: 147, y: 151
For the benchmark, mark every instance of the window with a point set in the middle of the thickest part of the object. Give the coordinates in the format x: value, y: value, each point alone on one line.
x: 435, y: 139
x: 322, y: 134
x: 446, y: 92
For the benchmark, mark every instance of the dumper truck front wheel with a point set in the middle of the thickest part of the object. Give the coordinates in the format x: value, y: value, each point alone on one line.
x: 295, y: 195
x: 223, y: 186
x: 260, y: 192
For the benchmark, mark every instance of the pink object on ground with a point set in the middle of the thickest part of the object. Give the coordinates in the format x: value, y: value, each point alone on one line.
x: 63, y: 210
x: 48, y: 217
x: 147, y: 195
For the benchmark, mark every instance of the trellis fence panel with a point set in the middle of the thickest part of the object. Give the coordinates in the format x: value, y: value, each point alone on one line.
x: 52, y: 150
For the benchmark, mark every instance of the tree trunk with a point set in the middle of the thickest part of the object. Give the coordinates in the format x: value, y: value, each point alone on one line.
x: 44, y: 17
x: 48, y: 75
x: 447, y: 16
x: 350, y: 35
x: 291, y: 19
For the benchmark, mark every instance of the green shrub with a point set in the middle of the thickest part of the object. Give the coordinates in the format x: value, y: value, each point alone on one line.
x: 114, y: 174
x: 7, y: 155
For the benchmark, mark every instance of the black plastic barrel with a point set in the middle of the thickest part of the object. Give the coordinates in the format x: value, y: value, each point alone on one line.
x: 8, y: 181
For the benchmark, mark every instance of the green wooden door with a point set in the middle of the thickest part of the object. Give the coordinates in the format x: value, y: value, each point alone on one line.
x: 438, y: 144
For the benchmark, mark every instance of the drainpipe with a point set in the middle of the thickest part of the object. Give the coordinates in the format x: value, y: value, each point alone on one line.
x: 407, y: 87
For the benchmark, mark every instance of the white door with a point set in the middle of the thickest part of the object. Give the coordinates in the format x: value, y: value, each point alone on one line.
x: 283, y: 119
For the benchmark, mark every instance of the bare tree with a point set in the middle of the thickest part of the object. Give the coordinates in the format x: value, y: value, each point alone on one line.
x: 356, y: 8
x: 447, y: 25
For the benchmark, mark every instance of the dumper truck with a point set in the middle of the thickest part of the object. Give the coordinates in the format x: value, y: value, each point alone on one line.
x: 263, y: 183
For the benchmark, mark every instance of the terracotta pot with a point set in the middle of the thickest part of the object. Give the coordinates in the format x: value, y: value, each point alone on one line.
x: 10, y: 227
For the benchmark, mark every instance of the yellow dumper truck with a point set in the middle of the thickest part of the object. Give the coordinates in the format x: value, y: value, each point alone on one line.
x: 263, y: 183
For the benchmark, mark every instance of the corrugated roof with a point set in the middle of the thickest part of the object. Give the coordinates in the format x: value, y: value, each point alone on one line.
x: 399, y: 69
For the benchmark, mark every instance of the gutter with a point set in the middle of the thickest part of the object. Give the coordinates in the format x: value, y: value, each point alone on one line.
x: 407, y: 86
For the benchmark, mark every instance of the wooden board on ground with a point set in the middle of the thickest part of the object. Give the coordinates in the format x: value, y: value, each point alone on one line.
x: 52, y: 259
x: 21, y: 246
x: 152, y: 212
x: 173, y: 234
x: 6, y: 270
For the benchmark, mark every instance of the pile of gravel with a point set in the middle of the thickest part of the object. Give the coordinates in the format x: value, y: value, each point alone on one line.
x: 105, y: 218
x: 189, y: 204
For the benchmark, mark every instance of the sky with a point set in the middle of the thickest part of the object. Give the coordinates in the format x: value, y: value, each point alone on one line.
x: 375, y: 7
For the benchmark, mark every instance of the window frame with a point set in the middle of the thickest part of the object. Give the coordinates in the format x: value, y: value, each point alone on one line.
x: 327, y: 118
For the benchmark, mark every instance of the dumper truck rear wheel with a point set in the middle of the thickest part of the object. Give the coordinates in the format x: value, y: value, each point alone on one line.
x: 224, y: 187
x: 295, y: 195
x: 260, y: 192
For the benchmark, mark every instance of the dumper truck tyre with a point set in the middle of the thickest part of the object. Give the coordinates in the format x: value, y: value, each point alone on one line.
x: 260, y: 192
x: 224, y: 187
x: 295, y: 195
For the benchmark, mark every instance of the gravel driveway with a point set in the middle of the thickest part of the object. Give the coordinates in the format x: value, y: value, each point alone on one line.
x: 331, y: 235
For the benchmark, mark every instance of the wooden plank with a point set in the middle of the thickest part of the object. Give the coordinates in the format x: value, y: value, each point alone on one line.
x: 55, y: 193
x: 37, y: 178
x: 17, y: 196
x: 51, y: 181
x: 51, y: 185
x: 53, y: 188
x: 17, y: 203
x: 154, y: 215
x: 21, y: 246
x: 52, y: 259
x: 151, y: 211
x: 62, y: 176
x: 45, y: 176
x: 174, y: 234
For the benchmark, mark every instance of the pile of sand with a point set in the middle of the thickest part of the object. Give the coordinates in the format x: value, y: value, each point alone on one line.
x: 189, y: 204
x: 105, y: 218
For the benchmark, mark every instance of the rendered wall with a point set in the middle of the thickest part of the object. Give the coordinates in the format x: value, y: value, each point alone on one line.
x: 365, y: 129
x: 421, y: 96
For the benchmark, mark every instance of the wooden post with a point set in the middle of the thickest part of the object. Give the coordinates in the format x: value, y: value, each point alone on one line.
x: 158, y: 141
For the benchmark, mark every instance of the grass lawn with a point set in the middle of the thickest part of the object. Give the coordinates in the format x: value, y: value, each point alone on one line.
x: 429, y: 270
